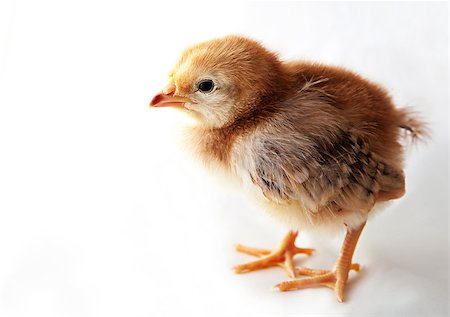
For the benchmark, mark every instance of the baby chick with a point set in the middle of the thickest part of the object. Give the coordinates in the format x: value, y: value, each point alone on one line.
x: 318, y: 146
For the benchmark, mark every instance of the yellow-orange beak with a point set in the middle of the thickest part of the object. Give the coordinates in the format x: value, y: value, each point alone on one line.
x: 167, y: 98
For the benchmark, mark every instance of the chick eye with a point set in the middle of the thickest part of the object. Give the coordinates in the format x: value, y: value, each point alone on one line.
x: 206, y: 85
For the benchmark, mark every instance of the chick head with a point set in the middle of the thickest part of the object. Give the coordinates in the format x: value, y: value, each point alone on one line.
x: 219, y: 80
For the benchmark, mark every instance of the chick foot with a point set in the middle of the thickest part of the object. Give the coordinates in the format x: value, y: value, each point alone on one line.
x: 282, y: 256
x: 335, y: 279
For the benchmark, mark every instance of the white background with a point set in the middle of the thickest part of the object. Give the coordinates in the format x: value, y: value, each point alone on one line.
x: 102, y: 213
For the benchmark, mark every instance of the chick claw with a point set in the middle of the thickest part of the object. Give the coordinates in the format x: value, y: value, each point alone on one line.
x: 283, y: 256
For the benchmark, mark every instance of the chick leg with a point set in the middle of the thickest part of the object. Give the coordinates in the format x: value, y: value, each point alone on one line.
x: 282, y: 256
x: 336, y: 278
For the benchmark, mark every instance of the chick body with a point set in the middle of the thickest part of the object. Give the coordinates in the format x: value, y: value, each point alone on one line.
x: 322, y: 152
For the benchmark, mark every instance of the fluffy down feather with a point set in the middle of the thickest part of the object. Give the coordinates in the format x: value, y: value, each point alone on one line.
x: 319, y: 145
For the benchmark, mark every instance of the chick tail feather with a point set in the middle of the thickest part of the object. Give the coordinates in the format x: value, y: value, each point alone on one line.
x: 415, y: 128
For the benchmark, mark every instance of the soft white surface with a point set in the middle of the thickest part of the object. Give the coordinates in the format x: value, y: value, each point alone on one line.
x: 103, y: 214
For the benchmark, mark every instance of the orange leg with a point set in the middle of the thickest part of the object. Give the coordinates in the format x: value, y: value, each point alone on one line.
x: 336, y: 278
x: 282, y: 256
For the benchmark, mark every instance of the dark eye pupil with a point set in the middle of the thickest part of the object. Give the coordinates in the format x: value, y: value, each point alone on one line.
x: 206, y: 86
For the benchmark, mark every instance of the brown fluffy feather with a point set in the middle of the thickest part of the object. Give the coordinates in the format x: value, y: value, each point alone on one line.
x: 320, y: 144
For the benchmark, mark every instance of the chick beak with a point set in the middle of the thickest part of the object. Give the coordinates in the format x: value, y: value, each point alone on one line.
x: 167, y: 98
